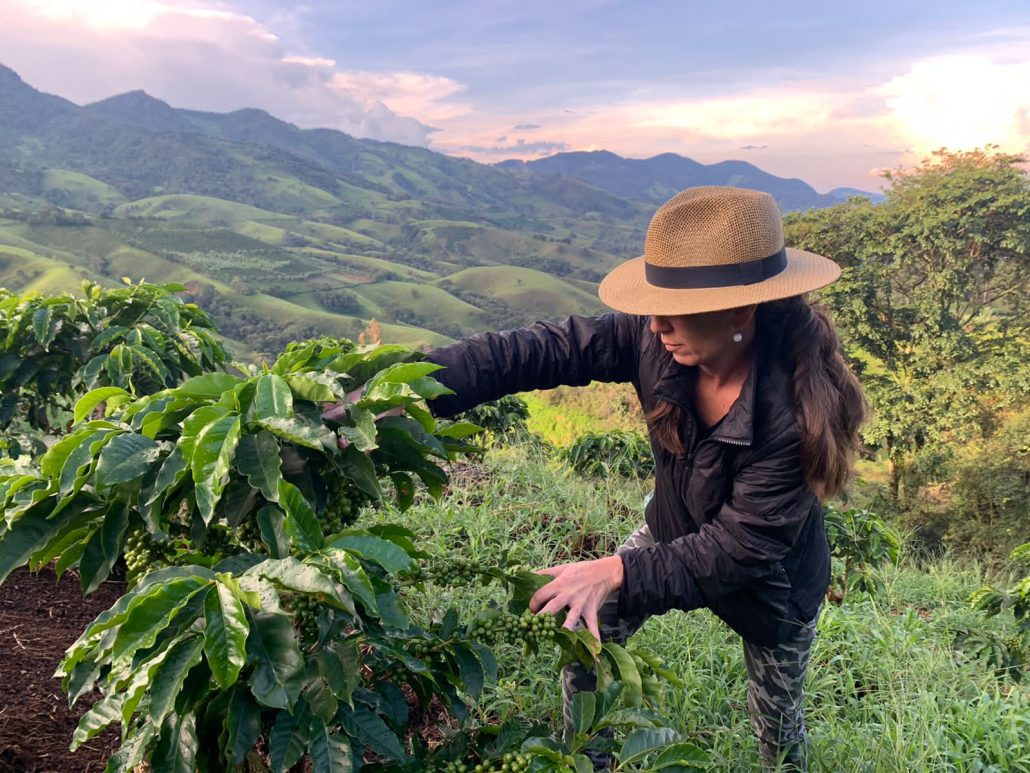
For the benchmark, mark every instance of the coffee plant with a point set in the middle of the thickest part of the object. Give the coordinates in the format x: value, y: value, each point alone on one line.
x: 140, y: 338
x: 603, y: 454
x: 1006, y: 653
x: 262, y: 628
x: 863, y: 542
x: 502, y: 420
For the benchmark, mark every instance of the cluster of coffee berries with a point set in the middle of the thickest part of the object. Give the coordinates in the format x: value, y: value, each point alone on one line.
x: 305, y: 611
x: 141, y: 553
x: 515, y: 629
x: 452, y: 572
x: 509, y: 763
x: 248, y: 534
x: 344, y: 505
x: 220, y: 540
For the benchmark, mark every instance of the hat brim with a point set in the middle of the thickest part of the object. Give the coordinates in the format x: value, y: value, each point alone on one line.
x: 625, y: 288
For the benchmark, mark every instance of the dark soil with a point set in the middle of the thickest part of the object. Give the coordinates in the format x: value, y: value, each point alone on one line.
x: 40, y: 617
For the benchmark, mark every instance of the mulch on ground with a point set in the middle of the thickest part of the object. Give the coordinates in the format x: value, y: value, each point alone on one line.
x: 40, y: 617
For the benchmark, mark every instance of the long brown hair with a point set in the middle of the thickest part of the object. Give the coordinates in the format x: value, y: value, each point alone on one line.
x: 829, y: 405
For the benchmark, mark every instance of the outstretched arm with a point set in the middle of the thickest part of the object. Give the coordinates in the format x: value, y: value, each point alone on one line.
x: 573, y: 352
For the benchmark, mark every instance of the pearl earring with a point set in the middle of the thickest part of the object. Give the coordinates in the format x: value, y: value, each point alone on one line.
x: 738, y: 337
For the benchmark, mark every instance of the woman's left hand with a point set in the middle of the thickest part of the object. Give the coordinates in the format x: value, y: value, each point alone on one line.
x: 581, y: 588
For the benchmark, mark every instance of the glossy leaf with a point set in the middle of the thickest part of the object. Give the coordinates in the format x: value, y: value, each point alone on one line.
x: 301, y: 522
x: 272, y: 399
x: 125, y: 458
x: 85, y: 405
x: 330, y: 752
x: 644, y: 741
x: 176, y: 748
x: 257, y: 457
x: 289, y: 738
x: 225, y: 634
x: 370, y: 729
x: 383, y: 552
x: 212, y: 456
x: 278, y: 663
x: 171, y: 675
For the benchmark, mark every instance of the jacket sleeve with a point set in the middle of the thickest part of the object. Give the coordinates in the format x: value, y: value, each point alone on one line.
x: 573, y: 352
x: 755, y: 528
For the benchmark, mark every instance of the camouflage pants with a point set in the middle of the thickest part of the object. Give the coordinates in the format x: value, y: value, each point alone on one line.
x: 776, y: 677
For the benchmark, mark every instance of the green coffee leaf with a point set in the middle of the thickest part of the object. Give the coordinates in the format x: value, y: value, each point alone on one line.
x: 289, y: 738
x: 330, y: 752
x: 644, y: 741
x: 371, y: 730
x: 85, y: 405
x: 176, y: 749
x: 170, y: 676
x: 272, y: 399
x: 225, y: 634
x: 257, y: 457
x: 383, y: 552
x: 125, y: 458
x: 278, y: 663
x: 212, y: 456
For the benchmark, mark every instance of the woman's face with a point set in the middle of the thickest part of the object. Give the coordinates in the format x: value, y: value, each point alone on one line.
x: 695, y: 339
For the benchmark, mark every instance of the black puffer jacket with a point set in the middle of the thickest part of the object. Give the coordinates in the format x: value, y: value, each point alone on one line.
x: 739, y: 531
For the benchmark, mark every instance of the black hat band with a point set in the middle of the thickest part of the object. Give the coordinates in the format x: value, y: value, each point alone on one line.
x: 700, y: 277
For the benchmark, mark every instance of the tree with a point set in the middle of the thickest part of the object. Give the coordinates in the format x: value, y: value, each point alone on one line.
x: 933, y: 297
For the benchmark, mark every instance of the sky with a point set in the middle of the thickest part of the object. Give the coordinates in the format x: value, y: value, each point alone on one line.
x: 833, y: 93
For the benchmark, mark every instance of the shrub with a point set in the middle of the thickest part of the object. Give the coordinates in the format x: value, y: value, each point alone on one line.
x: 502, y: 421
x: 601, y: 454
x: 863, y: 542
x: 1006, y: 653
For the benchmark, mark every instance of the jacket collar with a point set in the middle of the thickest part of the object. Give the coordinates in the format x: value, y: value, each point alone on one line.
x: 676, y: 384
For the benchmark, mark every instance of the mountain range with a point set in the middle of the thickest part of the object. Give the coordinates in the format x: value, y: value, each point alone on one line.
x: 282, y: 231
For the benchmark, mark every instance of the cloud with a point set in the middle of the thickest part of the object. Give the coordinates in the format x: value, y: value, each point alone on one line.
x: 753, y: 147
x: 525, y: 127
x: 962, y: 101
x: 520, y: 149
x: 205, y: 57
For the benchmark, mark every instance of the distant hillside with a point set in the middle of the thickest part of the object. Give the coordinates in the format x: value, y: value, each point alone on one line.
x: 659, y: 178
x: 284, y: 232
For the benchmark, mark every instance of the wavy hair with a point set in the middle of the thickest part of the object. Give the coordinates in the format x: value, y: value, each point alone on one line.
x: 829, y: 405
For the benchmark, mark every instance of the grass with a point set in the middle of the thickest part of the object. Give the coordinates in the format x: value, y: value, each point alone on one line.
x: 885, y: 690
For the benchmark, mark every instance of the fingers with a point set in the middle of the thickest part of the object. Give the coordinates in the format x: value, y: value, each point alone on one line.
x: 590, y: 618
x: 551, y: 571
x: 335, y: 411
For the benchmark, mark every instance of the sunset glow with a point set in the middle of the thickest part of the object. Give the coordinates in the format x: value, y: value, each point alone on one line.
x: 831, y: 100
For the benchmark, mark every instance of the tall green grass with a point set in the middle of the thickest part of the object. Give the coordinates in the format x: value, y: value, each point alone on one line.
x: 885, y: 690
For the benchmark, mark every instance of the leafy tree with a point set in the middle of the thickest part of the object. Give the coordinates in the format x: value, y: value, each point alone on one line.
x: 933, y: 298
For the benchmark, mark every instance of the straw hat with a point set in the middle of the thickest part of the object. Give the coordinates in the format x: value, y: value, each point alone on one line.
x: 714, y: 248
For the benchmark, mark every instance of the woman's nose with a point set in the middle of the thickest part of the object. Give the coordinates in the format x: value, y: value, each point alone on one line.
x: 659, y: 323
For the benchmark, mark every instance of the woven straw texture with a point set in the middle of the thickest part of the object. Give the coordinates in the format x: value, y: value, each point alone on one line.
x: 713, y: 226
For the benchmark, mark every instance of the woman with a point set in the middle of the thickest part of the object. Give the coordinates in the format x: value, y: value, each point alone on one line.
x: 753, y: 418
